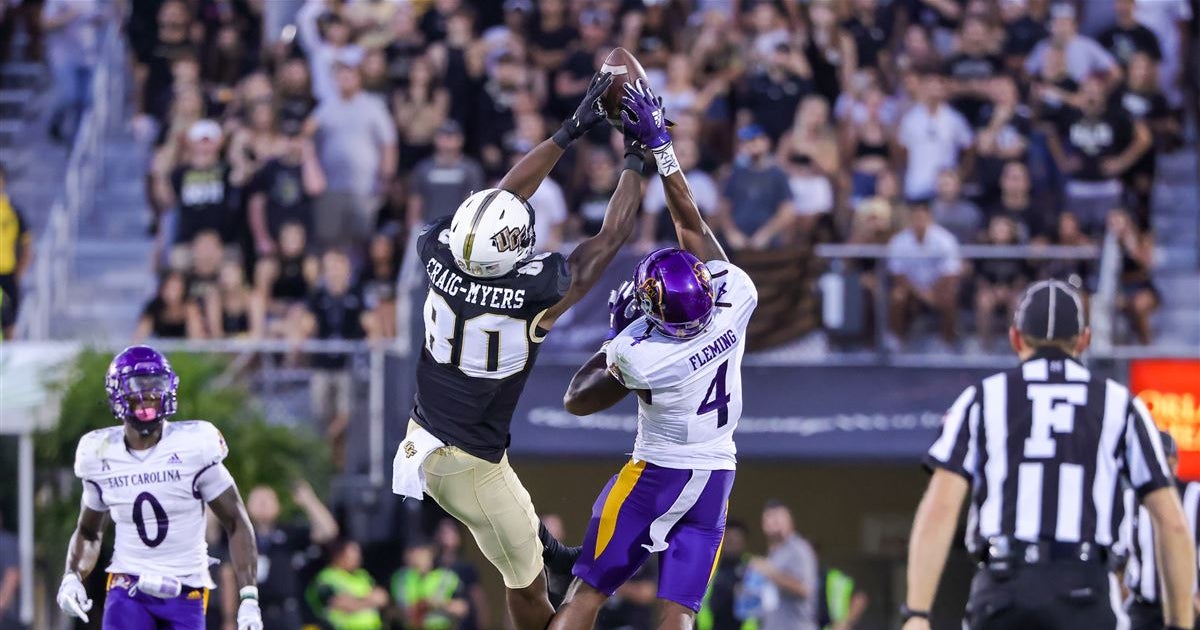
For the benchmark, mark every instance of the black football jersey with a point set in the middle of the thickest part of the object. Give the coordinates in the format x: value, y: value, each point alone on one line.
x: 479, y: 344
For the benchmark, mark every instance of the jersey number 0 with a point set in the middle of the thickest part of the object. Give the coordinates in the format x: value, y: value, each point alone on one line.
x: 485, y: 346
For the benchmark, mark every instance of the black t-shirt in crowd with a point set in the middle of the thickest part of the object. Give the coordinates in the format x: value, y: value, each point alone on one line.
x: 283, y: 185
x: 1094, y: 140
x: 964, y: 67
x: 773, y: 101
x: 158, y: 93
x: 578, y: 66
x: 162, y: 326
x: 1033, y: 220
x: 927, y: 15
x: 481, y: 341
x: 1022, y: 35
x: 282, y: 553
x: 590, y: 207
x: 1145, y: 106
x: 1123, y: 43
x: 399, y: 57
x: 871, y: 40
x: 338, y: 317
x: 206, y: 200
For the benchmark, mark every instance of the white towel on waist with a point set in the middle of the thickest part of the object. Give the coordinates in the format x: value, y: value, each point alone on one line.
x: 408, y: 475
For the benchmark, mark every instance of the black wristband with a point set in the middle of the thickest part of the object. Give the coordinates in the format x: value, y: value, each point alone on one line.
x: 907, y: 613
x: 562, y: 138
x: 1175, y: 628
x: 635, y: 163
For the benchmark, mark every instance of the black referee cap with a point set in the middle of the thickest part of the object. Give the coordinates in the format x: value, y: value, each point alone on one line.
x: 1168, y: 442
x: 1050, y: 310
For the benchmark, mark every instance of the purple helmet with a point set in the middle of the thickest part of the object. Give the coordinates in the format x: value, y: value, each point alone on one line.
x: 674, y: 290
x: 135, y: 374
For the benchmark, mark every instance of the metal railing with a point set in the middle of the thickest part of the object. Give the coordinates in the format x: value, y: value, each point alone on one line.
x: 881, y: 254
x: 54, y: 251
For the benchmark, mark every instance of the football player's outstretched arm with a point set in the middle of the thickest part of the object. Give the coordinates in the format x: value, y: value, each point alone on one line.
x: 693, y: 231
x: 588, y: 261
x: 645, y: 117
x: 527, y: 174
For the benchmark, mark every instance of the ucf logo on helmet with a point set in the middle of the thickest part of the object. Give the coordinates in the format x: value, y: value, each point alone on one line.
x: 511, y: 239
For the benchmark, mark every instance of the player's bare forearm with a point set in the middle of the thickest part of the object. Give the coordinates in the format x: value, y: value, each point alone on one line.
x: 84, y: 549
x: 593, y: 389
x: 526, y: 175
x: 1175, y: 554
x: 693, y: 231
x: 231, y: 512
x: 588, y: 262
x: 933, y: 529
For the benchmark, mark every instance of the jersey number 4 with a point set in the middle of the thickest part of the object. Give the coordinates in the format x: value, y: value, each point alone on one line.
x: 716, y: 399
x: 485, y: 346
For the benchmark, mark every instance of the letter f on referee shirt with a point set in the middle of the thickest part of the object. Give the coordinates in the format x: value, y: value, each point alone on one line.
x: 1043, y: 451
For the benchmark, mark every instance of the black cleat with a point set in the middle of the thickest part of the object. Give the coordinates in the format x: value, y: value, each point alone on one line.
x: 559, y: 560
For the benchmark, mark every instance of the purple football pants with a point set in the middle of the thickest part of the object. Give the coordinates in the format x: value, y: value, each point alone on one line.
x: 145, y: 612
x: 676, y: 513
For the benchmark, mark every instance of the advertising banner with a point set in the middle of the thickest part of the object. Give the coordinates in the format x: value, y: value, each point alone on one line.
x: 798, y: 412
x: 1171, y: 390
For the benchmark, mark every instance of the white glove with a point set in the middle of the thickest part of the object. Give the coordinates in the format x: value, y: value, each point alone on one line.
x: 73, y: 599
x: 249, y: 615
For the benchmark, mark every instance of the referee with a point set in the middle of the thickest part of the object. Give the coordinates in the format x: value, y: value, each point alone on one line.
x: 1044, y: 449
x: 1141, y: 573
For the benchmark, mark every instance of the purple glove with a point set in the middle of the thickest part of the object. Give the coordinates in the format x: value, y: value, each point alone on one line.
x: 622, y: 309
x: 642, y: 113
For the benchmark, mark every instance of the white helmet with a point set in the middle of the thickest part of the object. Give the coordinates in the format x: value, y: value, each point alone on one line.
x: 492, y: 233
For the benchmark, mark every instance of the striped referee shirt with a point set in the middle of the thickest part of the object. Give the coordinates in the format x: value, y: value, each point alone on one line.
x: 1141, y: 572
x: 1045, y: 447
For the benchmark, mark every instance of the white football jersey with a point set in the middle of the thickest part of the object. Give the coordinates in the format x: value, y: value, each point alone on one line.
x: 156, y: 497
x: 690, y: 396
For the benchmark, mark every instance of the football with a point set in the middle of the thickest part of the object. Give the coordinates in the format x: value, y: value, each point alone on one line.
x: 625, y: 68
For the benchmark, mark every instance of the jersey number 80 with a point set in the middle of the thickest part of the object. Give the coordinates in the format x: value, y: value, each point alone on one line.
x: 485, y: 346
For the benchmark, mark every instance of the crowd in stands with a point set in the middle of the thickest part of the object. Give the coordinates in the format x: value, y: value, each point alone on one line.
x: 289, y: 172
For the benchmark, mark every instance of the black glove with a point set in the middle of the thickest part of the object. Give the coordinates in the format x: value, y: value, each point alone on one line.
x: 589, y: 112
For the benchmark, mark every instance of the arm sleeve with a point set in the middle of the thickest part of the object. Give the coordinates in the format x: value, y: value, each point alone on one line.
x: 212, y: 482
x: 93, y: 496
x: 1148, y: 470
x: 954, y: 450
x: 306, y: 26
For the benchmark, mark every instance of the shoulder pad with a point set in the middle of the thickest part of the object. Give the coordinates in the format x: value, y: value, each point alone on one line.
x: 90, y: 454
x: 203, y: 440
x: 433, y: 234
x: 553, y: 277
